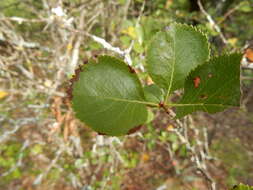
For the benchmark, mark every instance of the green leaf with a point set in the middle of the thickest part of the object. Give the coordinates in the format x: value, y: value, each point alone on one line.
x: 242, y: 187
x: 153, y: 93
x: 212, y: 87
x: 138, y: 48
x: 174, y: 53
x: 108, y: 97
x: 245, y: 6
x: 140, y: 33
x: 150, y: 117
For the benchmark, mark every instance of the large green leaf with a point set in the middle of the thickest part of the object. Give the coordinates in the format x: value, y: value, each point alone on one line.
x: 172, y: 54
x: 242, y: 187
x: 109, y: 97
x: 212, y: 87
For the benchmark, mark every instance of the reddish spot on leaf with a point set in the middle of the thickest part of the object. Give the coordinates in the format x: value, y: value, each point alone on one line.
x: 203, y: 96
x: 131, y: 69
x: 101, y: 133
x: 196, y: 82
x: 133, y: 130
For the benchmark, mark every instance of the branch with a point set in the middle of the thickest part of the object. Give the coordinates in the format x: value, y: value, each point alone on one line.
x: 75, y: 54
x: 40, y: 177
x: 229, y: 13
x: 126, y: 9
x: 123, y: 53
x: 18, y: 124
x: 250, y: 67
x: 212, y: 22
x: 32, y: 45
x: 197, y: 158
x: 9, y: 133
x: 107, y: 45
x: 20, y: 20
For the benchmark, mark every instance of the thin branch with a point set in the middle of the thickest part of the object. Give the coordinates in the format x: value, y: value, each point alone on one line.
x: 40, y: 177
x: 21, y: 20
x: 75, y: 54
x: 229, y: 13
x: 212, y: 22
x: 9, y: 133
x: 32, y: 45
x: 106, y: 44
x: 246, y: 78
x: 198, y: 157
x: 250, y: 67
x: 18, y: 124
x: 126, y: 9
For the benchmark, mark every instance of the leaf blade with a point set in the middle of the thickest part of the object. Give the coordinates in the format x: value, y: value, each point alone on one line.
x: 153, y: 93
x: 109, y: 98
x: 218, y: 89
x: 242, y: 187
x: 174, y: 53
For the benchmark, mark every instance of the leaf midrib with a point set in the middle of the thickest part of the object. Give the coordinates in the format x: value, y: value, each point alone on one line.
x: 173, y: 68
x: 157, y: 105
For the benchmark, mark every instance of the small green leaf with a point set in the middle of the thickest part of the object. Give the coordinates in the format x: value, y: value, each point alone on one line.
x: 140, y: 33
x: 245, y: 6
x: 212, y: 87
x: 153, y: 93
x: 138, y: 48
x: 242, y: 187
x: 36, y: 149
x: 150, y: 117
x: 108, y: 97
x: 174, y: 53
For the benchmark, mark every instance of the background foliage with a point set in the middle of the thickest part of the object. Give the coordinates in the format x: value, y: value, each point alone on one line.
x: 43, y: 146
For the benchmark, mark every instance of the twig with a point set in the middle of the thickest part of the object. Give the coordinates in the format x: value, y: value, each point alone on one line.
x: 123, y: 53
x: 40, y: 177
x: 212, y: 22
x: 8, y: 133
x: 208, y: 178
x: 250, y: 67
x: 32, y: 45
x: 248, y: 97
x: 126, y: 9
x: 75, y: 54
x: 197, y: 158
x: 18, y: 124
x: 106, y: 44
x: 246, y: 78
x: 20, y: 20
x: 227, y: 14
